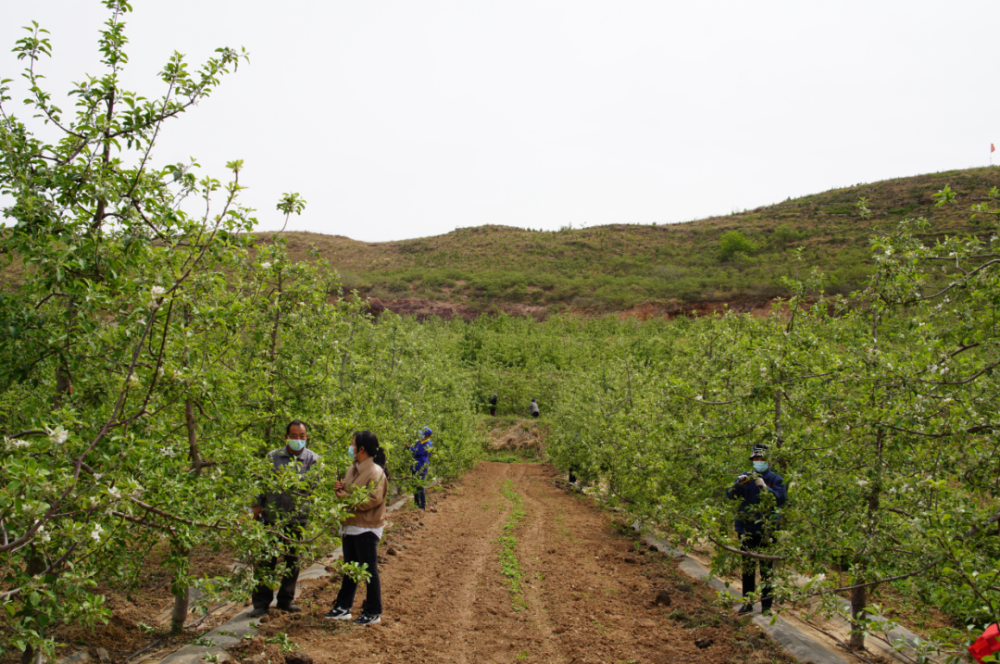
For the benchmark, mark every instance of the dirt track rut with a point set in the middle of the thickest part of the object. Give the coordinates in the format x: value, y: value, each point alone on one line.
x: 588, y: 589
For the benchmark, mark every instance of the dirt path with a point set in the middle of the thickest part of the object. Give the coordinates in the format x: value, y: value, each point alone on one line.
x: 587, y: 590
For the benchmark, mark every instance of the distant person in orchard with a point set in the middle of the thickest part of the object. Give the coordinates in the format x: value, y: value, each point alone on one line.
x: 756, y: 526
x: 361, y: 533
x: 421, y: 464
x: 534, y: 408
x: 291, y: 512
x: 493, y: 405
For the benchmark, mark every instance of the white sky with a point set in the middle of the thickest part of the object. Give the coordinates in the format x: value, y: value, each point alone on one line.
x: 407, y: 118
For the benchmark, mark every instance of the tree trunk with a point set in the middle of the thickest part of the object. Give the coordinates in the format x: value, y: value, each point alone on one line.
x: 343, y: 360
x: 859, y: 600
x: 778, y: 435
x: 35, y: 565
x: 179, y: 615
x: 192, y: 427
x: 271, y: 358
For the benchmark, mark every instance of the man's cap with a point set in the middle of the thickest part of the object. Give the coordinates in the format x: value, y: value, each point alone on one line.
x: 760, y: 450
x: 426, y: 432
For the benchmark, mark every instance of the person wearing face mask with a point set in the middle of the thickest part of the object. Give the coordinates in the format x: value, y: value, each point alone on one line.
x: 755, y: 528
x: 361, y: 533
x: 290, y: 511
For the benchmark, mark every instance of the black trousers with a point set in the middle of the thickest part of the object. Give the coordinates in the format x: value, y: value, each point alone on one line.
x: 361, y: 548
x: 756, y: 543
x: 262, y: 594
x: 419, y: 495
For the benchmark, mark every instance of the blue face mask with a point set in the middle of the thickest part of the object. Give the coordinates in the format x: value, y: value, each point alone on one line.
x: 296, y: 445
x: 760, y: 466
x: 351, y: 451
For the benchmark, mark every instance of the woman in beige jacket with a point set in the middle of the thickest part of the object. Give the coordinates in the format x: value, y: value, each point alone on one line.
x: 361, y: 533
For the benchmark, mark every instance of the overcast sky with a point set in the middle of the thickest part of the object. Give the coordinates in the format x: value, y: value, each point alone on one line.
x: 406, y: 118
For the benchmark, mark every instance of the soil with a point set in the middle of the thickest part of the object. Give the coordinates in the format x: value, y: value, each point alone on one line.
x: 591, y: 591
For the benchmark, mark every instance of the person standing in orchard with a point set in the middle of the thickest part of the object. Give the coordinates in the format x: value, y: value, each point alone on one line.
x: 361, y: 533
x: 421, y: 464
x: 534, y: 408
x: 281, y: 509
x: 757, y: 525
x: 493, y: 405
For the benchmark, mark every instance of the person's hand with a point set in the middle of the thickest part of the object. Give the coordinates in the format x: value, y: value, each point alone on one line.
x: 341, y: 493
x: 258, y: 511
x: 760, y: 482
x: 743, y: 478
x: 338, y: 486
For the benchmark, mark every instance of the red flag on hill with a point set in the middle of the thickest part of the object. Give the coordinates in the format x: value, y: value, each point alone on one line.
x: 992, y: 148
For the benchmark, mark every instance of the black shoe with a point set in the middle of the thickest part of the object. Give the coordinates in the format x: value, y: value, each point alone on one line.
x: 290, y: 608
x: 336, y: 613
x: 367, y: 619
x: 765, y: 612
x: 258, y: 611
x: 745, y: 609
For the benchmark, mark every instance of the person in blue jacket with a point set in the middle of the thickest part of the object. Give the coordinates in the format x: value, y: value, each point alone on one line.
x: 756, y: 525
x: 421, y: 464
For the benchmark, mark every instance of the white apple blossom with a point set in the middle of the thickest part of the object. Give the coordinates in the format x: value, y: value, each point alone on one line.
x: 95, y: 534
x: 17, y: 442
x: 266, y: 265
x: 58, y: 435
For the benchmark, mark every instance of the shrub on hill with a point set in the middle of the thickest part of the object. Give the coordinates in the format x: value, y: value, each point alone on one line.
x: 734, y: 245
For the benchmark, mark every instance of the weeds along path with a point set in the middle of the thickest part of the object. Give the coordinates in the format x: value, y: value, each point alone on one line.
x: 514, y: 568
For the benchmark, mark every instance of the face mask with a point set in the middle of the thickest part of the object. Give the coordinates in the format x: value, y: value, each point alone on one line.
x: 351, y: 451
x: 760, y: 466
x: 296, y: 445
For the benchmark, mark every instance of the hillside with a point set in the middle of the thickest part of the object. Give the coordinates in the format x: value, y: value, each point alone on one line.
x: 666, y: 267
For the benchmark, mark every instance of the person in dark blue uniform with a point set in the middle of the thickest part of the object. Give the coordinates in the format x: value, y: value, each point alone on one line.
x: 757, y: 525
x: 421, y: 463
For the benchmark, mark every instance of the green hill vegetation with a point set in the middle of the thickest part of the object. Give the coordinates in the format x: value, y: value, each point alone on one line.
x: 737, y: 258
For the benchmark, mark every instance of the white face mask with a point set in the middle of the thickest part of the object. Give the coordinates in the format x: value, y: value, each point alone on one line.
x: 760, y: 466
x: 296, y: 445
x: 351, y: 451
